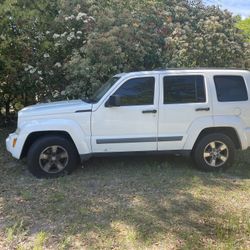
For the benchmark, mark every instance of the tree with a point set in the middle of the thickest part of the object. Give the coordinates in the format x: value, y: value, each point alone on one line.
x: 55, y: 49
x: 136, y: 35
x: 21, y: 46
x: 244, y: 25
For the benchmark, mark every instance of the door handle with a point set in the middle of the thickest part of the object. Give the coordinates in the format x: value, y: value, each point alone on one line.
x: 203, y: 109
x: 153, y: 111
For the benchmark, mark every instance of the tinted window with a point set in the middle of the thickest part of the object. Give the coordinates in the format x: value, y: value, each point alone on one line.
x: 230, y: 88
x: 103, y: 89
x: 137, y: 91
x: 184, y: 89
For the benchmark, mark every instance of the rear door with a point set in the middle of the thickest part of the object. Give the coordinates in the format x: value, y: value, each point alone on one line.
x: 183, y: 100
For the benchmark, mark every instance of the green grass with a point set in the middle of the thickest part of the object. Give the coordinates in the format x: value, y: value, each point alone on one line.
x: 125, y: 203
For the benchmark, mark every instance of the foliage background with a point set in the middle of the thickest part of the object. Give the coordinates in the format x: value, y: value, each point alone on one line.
x: 52, y: 50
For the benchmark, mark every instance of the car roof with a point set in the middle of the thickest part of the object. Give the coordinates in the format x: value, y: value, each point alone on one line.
x: 184, y: 70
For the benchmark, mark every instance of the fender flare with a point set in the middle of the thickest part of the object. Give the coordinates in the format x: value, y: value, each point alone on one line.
x: 213, y: 122
x: 195, y: 129
x: 80, y: 138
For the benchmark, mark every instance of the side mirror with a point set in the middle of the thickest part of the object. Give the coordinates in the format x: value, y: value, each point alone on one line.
x: 113, y: 101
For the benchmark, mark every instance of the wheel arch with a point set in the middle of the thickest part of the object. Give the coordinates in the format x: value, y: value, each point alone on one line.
x: 229, y: 131
x: 34, y: 136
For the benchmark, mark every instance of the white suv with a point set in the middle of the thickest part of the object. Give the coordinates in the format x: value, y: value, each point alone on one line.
x: 200, y: 112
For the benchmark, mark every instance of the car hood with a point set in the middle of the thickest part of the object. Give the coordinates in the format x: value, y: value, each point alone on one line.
x: 53, y: 108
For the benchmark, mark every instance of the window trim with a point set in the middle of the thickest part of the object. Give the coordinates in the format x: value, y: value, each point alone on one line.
x: 224, y: 75
x: 187, y: 74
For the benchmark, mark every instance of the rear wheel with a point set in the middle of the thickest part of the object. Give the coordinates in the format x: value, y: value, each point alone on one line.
x: 214, y: 152
x: 52, y: 156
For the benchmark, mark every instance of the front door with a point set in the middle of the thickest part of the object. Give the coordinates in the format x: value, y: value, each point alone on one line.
x: 133, y: 125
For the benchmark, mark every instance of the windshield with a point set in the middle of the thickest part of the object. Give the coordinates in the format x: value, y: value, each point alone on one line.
x: 103, y: 89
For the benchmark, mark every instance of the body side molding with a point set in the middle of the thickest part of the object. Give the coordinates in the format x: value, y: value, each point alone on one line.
x: 136, y: 140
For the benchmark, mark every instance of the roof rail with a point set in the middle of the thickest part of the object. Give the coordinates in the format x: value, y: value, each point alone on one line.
x: 204, y: 68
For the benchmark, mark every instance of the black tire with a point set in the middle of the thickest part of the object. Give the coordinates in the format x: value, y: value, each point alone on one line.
x: 202, y: 147
x: 66, y: 148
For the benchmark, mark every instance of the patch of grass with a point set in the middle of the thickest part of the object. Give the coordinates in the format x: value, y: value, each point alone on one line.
x: 26, y: 195
x: 40, y: 240
x: 65, y: 243
x: 56, y: 197
x: 16, y: 229
x: 15, y: 233
x: 125, y: 203
x: 231, y: 227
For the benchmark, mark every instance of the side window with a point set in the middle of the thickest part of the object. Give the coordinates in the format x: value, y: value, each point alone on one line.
x: 137, y: 91
x: 230, y: 88
x: 184, y: 89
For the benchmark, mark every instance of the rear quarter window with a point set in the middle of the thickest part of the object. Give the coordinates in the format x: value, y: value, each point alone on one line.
x: 230, y: 88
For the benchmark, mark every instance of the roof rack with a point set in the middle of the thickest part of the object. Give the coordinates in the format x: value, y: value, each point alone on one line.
x: 202, y: 68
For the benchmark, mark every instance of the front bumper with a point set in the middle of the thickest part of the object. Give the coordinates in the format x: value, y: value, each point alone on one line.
x: 14, y: 150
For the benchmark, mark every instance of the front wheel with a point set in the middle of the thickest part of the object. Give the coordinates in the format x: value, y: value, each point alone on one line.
x: 52, y: 156
x: 214, y: 152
